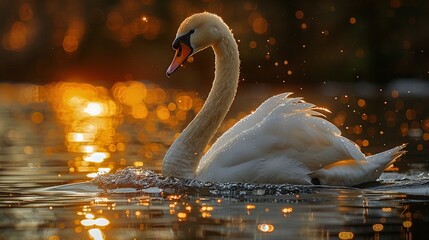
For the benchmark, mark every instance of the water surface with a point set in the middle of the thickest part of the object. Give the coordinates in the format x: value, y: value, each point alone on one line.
x: 51, y: 148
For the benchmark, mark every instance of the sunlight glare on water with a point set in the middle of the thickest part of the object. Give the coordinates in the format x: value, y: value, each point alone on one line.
x: 103, y: 130
x: 91, y: 117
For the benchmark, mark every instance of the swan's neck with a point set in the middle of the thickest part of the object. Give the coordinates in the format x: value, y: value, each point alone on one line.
x: 182, y: 159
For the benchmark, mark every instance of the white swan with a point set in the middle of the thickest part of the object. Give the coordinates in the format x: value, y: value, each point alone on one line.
x: 285, y: 140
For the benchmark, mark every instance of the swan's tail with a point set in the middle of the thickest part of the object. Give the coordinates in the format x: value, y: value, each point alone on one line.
x: 353, y: 172
x: 384, y: 159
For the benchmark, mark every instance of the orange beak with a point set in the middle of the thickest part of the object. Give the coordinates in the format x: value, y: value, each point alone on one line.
x: 183, y: 48
x: 182, y: 53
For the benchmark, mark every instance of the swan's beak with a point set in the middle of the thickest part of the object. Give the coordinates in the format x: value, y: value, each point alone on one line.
x: 182, y: 53
x: 183, y: 48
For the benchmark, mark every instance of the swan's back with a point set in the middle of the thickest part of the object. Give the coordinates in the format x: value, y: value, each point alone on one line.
x: 244, y: 124
x: 284, y: 140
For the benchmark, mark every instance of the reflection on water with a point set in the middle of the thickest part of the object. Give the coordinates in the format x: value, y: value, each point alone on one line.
x: 327, y: 214
x: 69, y: 132
x: 91, y: 118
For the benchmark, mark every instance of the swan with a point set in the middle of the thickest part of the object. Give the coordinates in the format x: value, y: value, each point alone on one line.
x: 285, y: 140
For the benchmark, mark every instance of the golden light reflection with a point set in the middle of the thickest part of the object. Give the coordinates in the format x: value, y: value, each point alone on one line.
x: 182, y: 216
x: 94, y: 108
x: 407, y: 224
x: 250, y: 206
x: 93, y: 224
x: 73, y: 35
x: 266, y: 228
x: 386, y: 209
x: 377, y: 227
x: 299, y: 14
x: 101, y: 222
x: 96, y: 157
x: 287, y: 210
x: 37, y: 117
x: 345, y: 235
x: 91, y: 115
x: 96, y: 234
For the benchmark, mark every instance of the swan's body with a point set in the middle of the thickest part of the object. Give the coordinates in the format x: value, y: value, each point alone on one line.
x: 284, y: 141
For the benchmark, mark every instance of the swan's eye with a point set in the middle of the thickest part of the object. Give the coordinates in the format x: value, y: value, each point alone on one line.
x: 192, y: 31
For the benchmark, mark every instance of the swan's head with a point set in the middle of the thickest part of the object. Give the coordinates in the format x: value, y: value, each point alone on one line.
x: 196, y: 33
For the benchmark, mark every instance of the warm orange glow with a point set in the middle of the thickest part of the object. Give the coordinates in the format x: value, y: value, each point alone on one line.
x: 287, y: 210
x: 407, y: 224
x: 94, y: 108
x: 253, y: 44
x: 184, y: 102
x: 260, y: 25
x: 91, y: 115
x: 266, y: 228
x: 16, y: 39
x: 361, y: 103
x: 345, y: 235
x: 101, y: 222
x: 80, y: 137
x: 426, y: 136
x: 272, y: 41
x: 182, y: 215
x: 114, y: 21
x: 104, y: 170
x: 395, y: 93
x: 25, y: 12
x: 73, y: 35
x: 250, y: 206
x: 96, y: 157
x: 88, y: 149
x: 37, y: 117
x: 352, y: 20
x: 70, y: 44
x: 410, y: 114
x: 87, y: 222
x: 377, y: 227
x: 299, y: 14
x: 207, y: 208
x: 96, y: 234
x: 163, y: 113
x: 28, y: 150
x: 138, y: 164
x: 386, y: 209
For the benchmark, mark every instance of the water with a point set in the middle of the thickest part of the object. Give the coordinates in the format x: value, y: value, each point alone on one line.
x: 47, y: 164
x: 82, y: 211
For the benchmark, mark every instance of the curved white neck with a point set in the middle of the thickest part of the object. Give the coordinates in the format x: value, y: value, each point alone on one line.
x: 182, y: 159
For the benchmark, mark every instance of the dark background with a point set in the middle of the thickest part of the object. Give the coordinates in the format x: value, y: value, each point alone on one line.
x: 103, y: 42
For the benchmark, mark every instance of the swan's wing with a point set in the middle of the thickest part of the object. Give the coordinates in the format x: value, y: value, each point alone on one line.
x: 288, y: 144
x: 247, y: 122
x: 316, y: 141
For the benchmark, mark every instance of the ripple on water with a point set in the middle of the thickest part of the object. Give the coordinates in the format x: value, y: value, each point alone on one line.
x: 140, y: 179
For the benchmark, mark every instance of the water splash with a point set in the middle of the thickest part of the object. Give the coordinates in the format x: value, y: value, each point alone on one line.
x: 140, y: 179
x: 151, y: 182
